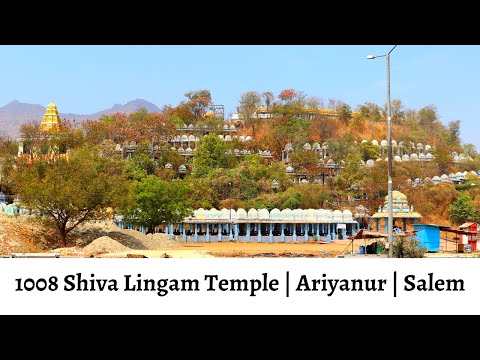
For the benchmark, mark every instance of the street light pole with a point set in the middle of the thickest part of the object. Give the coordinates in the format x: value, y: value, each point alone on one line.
x: 390, y: 155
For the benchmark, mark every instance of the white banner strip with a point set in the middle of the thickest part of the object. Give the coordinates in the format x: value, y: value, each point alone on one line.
x: 239, y: 286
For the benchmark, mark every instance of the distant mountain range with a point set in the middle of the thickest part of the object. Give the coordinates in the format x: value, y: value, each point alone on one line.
x: 16, y: 113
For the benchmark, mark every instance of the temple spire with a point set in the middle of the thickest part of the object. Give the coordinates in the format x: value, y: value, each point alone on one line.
x: 51, y: 119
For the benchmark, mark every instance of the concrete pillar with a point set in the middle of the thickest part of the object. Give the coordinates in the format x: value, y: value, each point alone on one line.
x: 294, y: 232
x: 184, y: 235
x: 230, y: 235
x: 248, y: 232
x: 386, y: 224
x: 270, y: 235
x: 237, y: 228
x: 207, y: 233
x: 306, y: 231
x: 282, y: 235
x: 376, y: 224
x: 171, y: 230
x: 259, y: 236
x: 219, y: 236
x: 318, y: 231
x: 195, y: 235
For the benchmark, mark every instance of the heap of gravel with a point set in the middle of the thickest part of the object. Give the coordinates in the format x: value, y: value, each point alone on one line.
x: 132, y: 239
x: 104, y: 245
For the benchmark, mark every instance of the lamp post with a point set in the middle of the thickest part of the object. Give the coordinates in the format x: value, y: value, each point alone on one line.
x: 389, y: 125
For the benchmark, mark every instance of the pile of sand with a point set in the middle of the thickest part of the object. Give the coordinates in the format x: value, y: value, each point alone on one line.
x: 104, y: 245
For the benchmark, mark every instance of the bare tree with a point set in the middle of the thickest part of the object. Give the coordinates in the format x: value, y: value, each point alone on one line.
x: 249, y: 102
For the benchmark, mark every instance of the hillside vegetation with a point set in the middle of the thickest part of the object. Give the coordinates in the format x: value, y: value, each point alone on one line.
x: 215, y: 178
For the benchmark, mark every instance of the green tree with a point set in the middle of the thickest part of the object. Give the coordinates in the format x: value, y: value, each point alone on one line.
x: 344, y: 112
x: 211, y: 154
x: 156, y: 202
x: 370, y: 111
x: 350, y: 180
x: 369, y: 151
x: 470, y: 150
x: 428, y: 115
x: 463, y: 209
x: 66, y: 193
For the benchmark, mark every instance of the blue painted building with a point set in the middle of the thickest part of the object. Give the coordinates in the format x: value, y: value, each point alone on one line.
x: 259, y: 225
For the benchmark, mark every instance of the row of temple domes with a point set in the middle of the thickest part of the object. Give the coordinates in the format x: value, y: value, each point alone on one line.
x: 275, y: 214
x: 205, y: 127
x: 450, y: 178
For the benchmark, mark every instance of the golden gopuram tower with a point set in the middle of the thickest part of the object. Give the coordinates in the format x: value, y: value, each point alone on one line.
x: 51, y: 119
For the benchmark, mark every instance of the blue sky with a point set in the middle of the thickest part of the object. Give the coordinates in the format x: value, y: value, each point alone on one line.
x: 86, y: 79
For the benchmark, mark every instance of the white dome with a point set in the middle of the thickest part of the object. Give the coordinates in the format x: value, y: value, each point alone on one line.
x: 298, y: 214
x: 225, y: 127
x: 347, y: 215
x: 427, y: 147
x: 375, y: 142
x: 248, y: 138
x: 444, y: 177
x: 307, y: 147
x: 364, y: 141
x: 199, y: 213
x: 225, y: 212
x: 394, y: 143
x: 337, y: 215
x: 316, y: 146
x: 184, y: 138
x: 220, y: 137
x: 263, y: 214
x: 436, y: 179
x: 287, y: 214
x: 275, y: 214
x: 405, y: 157
x: 379, y: 159
x: 414, y: 157
x: 228, y: 138
x: 289, y: 169
x: 322, y: 214
x: 397, y: 158
x: 310, y: 214
x: 421, y: 156
x: 252, y: 214
x: 214, y: 214
x: 329, y: 215
x: 241, y: 138
x: 419, y: 146
x: 370, y: 162
x: 384, y: 143
x: 232, y: 127
x: 191, y: 138
x: 241, y: 214
x: 429, y: 156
